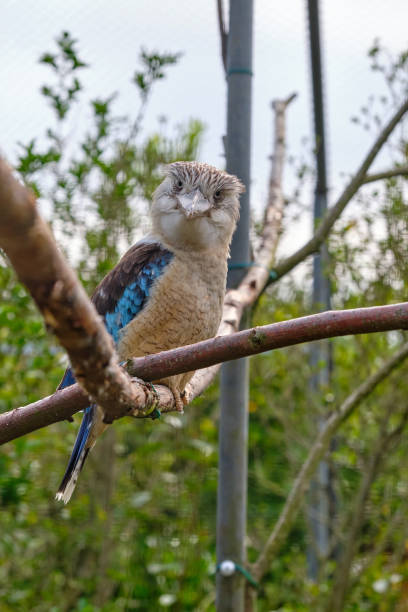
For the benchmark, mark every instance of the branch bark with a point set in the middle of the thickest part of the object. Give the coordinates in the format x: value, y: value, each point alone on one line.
x: 63, y: 404
x: 66, y: 308
x: 257, y: 277
x: 316, y: 453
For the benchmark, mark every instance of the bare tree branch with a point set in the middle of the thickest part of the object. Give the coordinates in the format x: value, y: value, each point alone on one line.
x: 63, y: 404
x: 379, y: 176
x: 334, y: 212
x: 269, y: 337
x: 252, y: 285
x: 316, y: 453
x: 223, y: 33
x: 66, y: 309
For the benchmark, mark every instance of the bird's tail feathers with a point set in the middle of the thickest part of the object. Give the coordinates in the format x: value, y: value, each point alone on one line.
x: 78, y: 456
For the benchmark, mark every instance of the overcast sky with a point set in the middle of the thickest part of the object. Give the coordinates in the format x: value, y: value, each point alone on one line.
x: 110, y: 35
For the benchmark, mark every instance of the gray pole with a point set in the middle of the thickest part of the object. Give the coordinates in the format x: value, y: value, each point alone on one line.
x: 232, y: 482
x: 320, y: 492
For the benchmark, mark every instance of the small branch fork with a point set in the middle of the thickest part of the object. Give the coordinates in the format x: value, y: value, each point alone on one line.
x: 386, y: 174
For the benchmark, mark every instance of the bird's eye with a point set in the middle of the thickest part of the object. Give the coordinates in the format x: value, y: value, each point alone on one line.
x: 179, y: 185
x: 218, y: 195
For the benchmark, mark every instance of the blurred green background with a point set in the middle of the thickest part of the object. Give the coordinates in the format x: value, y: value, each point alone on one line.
x: 139, y: 533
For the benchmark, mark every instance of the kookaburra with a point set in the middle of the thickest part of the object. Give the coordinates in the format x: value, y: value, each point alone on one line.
x: 168, y: 289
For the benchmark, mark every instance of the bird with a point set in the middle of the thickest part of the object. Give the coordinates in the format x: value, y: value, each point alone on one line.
x: 168, y: 289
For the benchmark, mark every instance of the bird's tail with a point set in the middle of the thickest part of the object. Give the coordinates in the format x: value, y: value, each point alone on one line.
x: 80, y: 452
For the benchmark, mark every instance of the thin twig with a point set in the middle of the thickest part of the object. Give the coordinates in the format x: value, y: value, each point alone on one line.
x: 385, y: 174
x: 223, y: 34
x: 333, y: 213
x: 252, y: 285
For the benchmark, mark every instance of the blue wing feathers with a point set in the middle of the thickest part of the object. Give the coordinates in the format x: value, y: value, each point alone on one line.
x: 132, y: 298
x: 135, y: 296
x: 119, y: 298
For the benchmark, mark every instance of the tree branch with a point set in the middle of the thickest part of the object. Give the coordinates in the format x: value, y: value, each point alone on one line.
x: 333, y: 213
x: 316, y: 453
x: 252, y: 285
x: 385, y: 174
x: 257, y: 277
x: 223, y: 34
x: 63, y: 404
x: 66, y: 309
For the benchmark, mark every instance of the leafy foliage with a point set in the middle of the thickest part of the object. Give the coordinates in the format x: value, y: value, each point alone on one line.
x: 139, y: 533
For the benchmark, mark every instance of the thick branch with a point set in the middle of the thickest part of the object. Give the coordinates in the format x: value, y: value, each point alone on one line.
x: 67, y: 311
x: 209, y: 352
x: 61, y: 405
x: 322, y: 232
x: 268, y: 337
x: 316, y: 453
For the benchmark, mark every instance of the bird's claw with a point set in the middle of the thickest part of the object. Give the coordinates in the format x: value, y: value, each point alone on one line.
x: 179, y: 400
x: 154, y: 412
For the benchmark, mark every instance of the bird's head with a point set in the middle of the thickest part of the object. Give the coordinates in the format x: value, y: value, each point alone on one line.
x: 196, y: 206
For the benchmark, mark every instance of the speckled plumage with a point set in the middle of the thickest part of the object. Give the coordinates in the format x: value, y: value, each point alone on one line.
x: 167, y: 290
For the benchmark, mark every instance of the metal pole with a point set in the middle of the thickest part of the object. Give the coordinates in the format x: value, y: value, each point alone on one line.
x: 232, y: 483
x: 320, y: 492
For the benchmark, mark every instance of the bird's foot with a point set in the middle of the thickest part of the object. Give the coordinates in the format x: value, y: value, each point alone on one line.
x: 179, y: 400
x: 155, y: 412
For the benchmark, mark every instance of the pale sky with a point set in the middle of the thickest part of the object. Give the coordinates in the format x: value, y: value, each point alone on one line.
x: 110, y: 35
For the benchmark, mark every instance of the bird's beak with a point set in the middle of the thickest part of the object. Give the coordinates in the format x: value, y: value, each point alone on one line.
x: 193, y: 204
